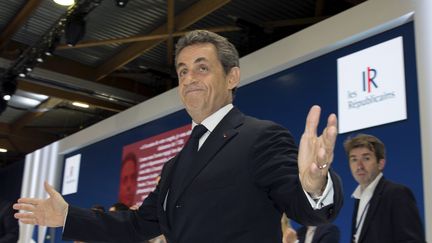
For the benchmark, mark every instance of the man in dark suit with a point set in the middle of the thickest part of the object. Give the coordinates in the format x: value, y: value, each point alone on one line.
x: 384, y: 211
x: 9, y: 229
x: 326, y: 233
x: 233, y: 185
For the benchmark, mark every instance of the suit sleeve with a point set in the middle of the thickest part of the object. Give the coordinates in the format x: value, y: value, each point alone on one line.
x: 276, y: 172
x: 405, y: 215
x: 121, y: 226
x: 9, y: 225
x: 331, y: 234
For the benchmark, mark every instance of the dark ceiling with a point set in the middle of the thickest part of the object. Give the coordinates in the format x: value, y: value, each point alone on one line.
x: 124, y: 55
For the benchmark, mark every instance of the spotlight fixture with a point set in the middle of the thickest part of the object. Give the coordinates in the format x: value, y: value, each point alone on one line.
x: 53, y: 45
x: 121, y: 3
x: 75, y: 29
x: 3, y: 150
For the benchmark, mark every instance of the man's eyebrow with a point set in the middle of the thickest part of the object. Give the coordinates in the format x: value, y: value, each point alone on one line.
x: 199, y: 59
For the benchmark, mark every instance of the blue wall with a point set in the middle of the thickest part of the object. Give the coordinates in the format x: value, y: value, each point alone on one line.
x: 285, y: 98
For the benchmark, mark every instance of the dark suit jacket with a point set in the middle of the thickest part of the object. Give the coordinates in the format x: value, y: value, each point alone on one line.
x: 327, y: 233
x: 392, y: 216
x: 9, y: 229
x: 247, y: 175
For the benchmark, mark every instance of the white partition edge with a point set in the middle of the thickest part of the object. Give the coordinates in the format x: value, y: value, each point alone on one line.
x: 423, y: 33
x: 362, y: 21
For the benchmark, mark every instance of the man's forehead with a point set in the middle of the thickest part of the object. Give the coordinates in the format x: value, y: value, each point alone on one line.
x: 361, y: 150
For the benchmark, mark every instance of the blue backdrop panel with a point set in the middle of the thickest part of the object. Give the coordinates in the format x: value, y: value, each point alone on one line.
x: 284, y: 97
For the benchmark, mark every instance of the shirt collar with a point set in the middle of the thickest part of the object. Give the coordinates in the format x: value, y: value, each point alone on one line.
x: 213, y: 120
x: 368, y: 191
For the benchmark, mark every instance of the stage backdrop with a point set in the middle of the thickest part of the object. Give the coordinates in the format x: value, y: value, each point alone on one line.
x: 284, y: 97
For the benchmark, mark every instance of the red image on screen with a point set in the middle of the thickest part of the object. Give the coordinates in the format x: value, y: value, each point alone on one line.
x: 142, y: 163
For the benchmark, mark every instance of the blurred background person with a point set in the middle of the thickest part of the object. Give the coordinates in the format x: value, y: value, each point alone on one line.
x: 384, y: 211
x: 128, y: 179
x: 118, y: 207
x: 9, y: 229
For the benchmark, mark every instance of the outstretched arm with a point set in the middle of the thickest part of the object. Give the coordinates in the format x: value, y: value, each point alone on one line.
x: 46, y: 212
x: 316, y: 152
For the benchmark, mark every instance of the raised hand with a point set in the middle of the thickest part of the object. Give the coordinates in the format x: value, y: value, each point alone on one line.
x: 316, y: 153
x: 46, y: 212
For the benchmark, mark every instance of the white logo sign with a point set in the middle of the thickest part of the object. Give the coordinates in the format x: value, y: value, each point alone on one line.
x: 371, y: 86
x: 71, y: 174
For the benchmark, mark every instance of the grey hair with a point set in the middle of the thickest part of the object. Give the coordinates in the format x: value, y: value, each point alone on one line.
x: 226, y: 51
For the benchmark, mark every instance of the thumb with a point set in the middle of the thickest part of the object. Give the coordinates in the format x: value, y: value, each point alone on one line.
x: 49, y: 189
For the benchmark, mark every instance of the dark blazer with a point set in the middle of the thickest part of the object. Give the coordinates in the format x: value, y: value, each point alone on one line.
x: 9, y: 229
x: 327, y: 233
x: 392, y: 216
x: 246, y: 176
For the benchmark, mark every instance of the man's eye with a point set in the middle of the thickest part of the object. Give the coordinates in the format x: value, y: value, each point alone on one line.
x: 182, y: 72
x: 203, y: 69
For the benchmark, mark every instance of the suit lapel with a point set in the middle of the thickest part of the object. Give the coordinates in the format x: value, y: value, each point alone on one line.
x: 221, y: 135
x: 374, y: 203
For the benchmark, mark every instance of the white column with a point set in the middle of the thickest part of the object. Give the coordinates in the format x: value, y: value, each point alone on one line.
x: 423, y: 36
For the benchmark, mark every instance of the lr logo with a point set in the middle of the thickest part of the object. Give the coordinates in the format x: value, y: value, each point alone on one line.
x: 368, y: 79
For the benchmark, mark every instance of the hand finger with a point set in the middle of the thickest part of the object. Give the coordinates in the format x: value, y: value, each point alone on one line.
x: 28, y: 221
x: 26, y: 207
x: 49, y: 189
x: 27, y: 200
x: 24, y: 215
x: 312, y: 121
x: 329, y: 137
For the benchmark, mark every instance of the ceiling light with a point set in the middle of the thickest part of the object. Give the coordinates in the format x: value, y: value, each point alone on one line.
x: 79, y: 104
x: 64, y: 2
x: 6, y: 97
x: 121, y: 3
x: 3, y: 150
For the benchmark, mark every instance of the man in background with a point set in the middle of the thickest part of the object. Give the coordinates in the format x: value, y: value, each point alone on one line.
x: 128, y: 179
x: 384, y: 211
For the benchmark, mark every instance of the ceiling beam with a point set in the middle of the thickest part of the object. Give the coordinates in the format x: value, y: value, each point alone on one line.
x: 39, y: 111
x: 15, y: 24
x: 75, y: 69
x: 294, y: 22
x: 319, y: 7
x: 68, y: 95
x: 183, y: 20
x: 141, y: 38
x: 170, y: 30
x: 25, y: 140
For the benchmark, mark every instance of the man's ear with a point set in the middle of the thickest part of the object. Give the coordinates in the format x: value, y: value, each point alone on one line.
x: 233, y: 78
x: 381, y: 164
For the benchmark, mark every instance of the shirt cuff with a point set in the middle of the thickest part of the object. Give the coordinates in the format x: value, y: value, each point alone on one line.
x: 325, y: 199
x: 66, y: 214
